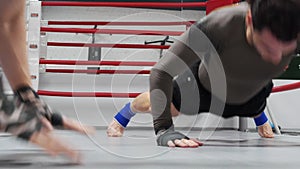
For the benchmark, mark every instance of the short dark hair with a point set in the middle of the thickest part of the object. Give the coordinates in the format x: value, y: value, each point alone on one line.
x: 282, y: 17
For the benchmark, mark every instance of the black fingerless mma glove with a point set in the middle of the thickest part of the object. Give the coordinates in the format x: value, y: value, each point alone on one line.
x: 32, y: 100
x: 164, y: 136
x: 15, y: 119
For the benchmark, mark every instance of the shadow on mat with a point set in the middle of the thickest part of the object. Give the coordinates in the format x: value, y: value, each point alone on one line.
x: 249, y: 143
x: 31, y: 159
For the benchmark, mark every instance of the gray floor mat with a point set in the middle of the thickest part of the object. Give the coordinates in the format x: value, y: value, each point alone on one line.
x: 137, y: 149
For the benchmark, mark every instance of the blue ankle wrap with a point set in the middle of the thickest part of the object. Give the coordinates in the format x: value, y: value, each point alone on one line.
x: 124, y: 115
x: 272, y: 125
x: 262, y: 119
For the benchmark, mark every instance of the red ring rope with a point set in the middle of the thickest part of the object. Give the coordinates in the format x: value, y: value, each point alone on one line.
x: 128, y: 4
x: 126, y: 63
x: 92, y: 71
x: 186, y: 23
x: 86, y: 94
x: 106, y: 63
x: 130, y: 95
x: 111, y: 31
x: 136, y: 46
x: 286, y: 87
x: 133, y: 95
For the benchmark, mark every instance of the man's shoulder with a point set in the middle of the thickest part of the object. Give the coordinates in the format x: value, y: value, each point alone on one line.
x: 234, y: 9
x: 225, y: 16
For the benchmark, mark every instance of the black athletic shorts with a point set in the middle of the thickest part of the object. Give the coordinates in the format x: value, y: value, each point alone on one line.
x: 198, y: 99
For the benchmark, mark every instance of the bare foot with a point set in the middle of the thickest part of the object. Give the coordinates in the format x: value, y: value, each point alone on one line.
x: 115, y: 129
x: 265, y: 131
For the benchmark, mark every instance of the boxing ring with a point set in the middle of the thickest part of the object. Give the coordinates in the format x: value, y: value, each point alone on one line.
x: 96, y: 87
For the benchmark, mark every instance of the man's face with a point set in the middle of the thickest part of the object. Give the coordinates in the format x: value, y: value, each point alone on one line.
x: 272, y: 49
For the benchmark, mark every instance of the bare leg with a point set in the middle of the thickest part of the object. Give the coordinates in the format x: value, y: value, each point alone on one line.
x: 141, y: 104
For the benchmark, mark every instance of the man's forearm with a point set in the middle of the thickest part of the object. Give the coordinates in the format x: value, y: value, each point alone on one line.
x: 13, y: 54
x: 160, y: 98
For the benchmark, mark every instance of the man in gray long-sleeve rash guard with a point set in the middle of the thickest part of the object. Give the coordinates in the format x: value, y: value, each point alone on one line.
x: 224, y: 64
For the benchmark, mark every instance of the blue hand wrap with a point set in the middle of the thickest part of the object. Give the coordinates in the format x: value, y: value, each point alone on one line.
x: 124, y: 115
x: 262, y: 119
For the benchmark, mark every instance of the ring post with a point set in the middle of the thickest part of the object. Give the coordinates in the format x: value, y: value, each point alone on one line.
x: 33, y: 45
